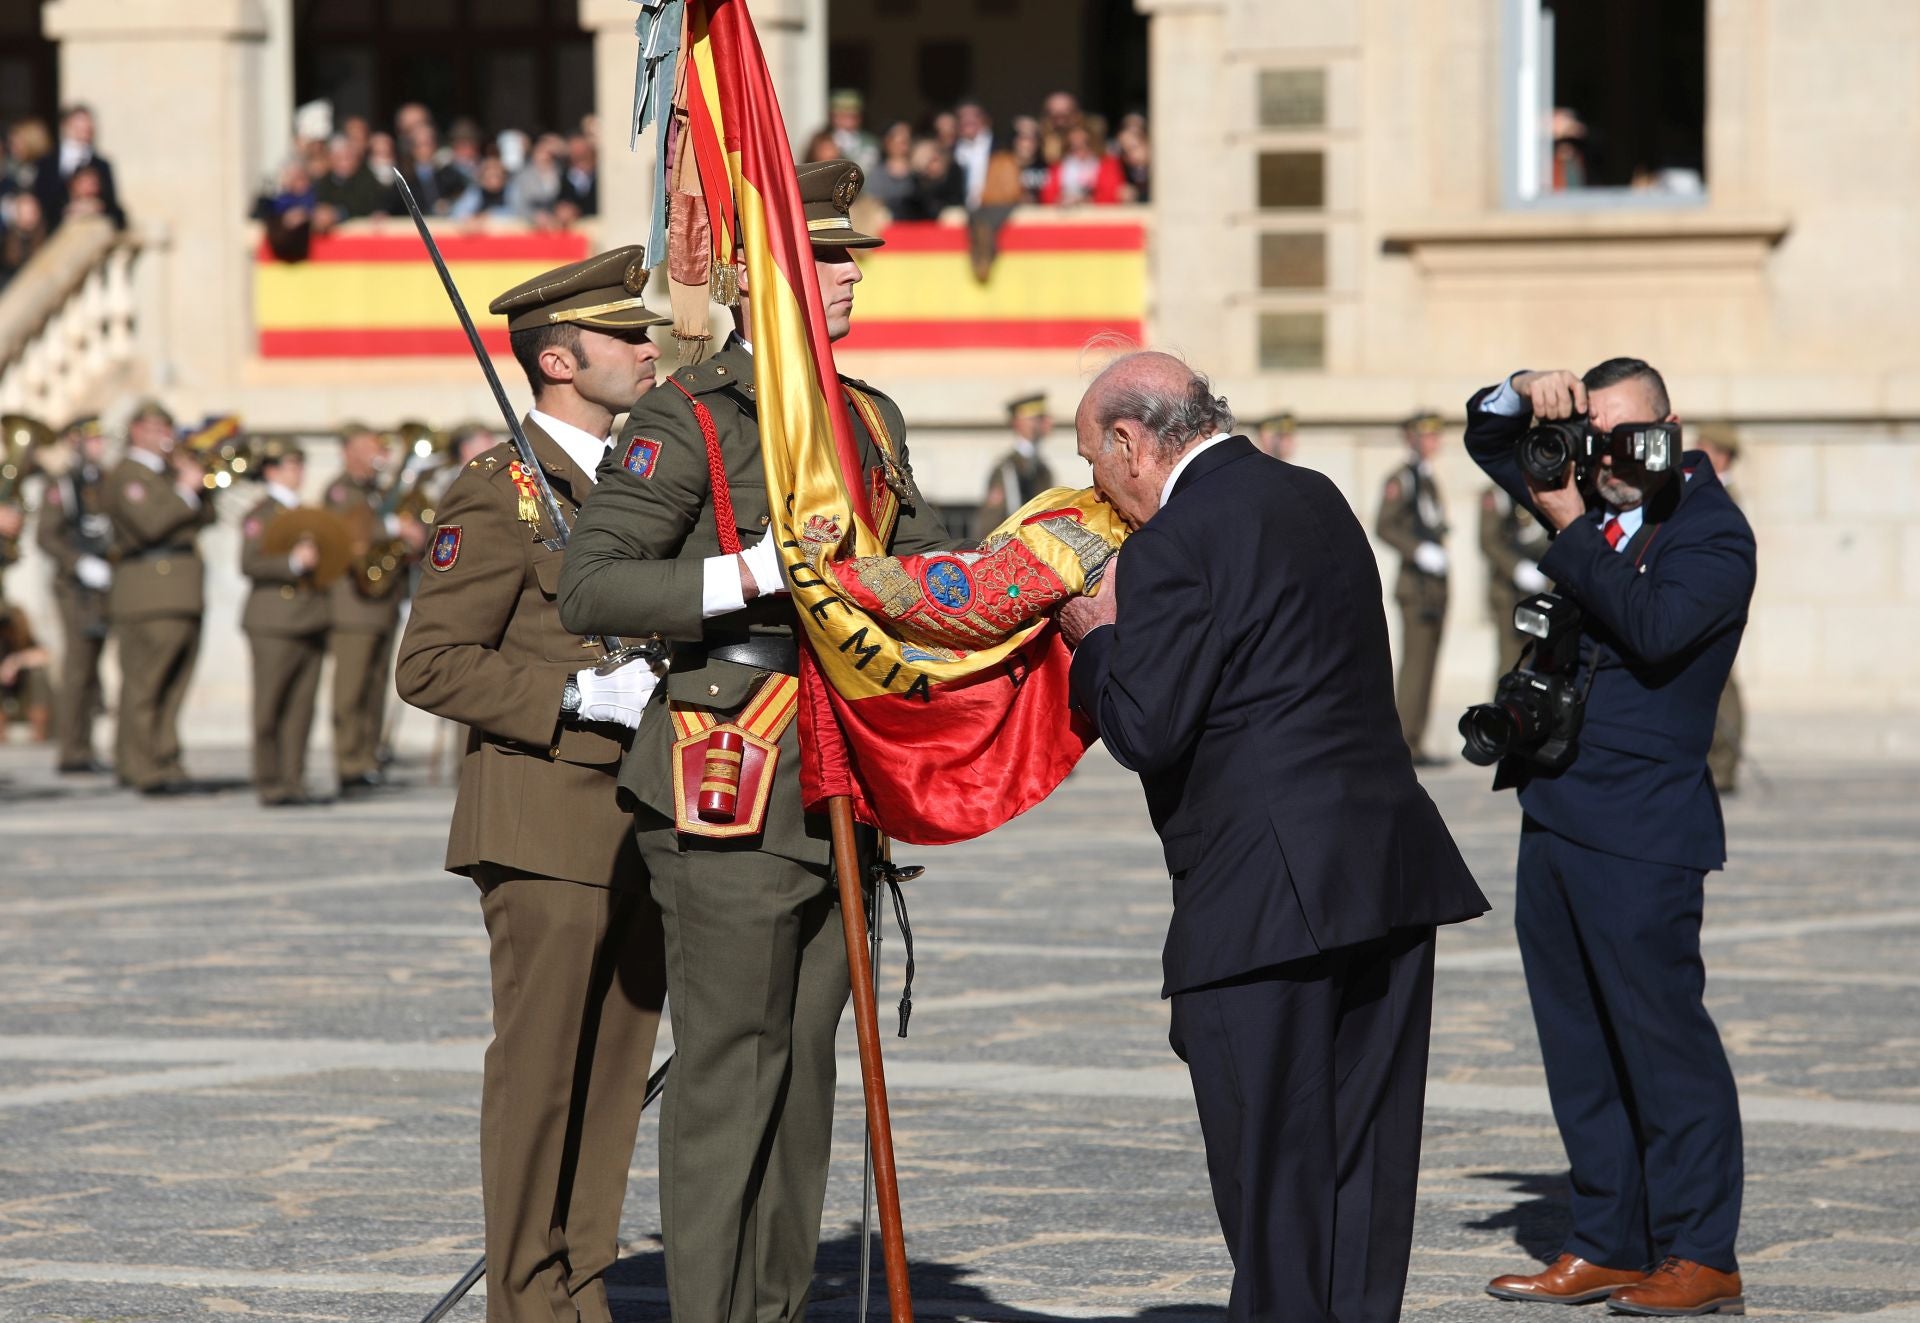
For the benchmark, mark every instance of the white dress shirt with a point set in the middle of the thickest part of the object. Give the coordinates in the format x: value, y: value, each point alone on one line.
x: 972, y: 155
x: 1166, y: 491
x: 582, y: 447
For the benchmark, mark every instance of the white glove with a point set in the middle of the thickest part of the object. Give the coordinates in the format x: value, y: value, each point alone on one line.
x: 620, y: 697
x: 94, y: 573
x: 1431, y: 557
x: 762, y: 560
x: 1528, y: 579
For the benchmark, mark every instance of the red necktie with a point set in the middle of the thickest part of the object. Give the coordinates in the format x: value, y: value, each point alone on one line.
x: 1612, y: 531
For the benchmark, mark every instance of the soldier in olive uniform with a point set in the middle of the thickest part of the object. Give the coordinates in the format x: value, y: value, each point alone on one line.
x: 285, y: 621
x: 1722, y: 444
x: 1022, y: 473
x: 578, y: 976
x: 1413, y: 522
x: 1279, y: 436
x: 364, y: 620
x: 157, y: 503
x: 1513, y: 542
x: 756, y: 964
x: 77, y: 537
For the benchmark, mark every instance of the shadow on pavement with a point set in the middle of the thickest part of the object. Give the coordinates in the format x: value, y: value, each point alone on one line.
x: 1541, y: 1221
x: 939, y: 1291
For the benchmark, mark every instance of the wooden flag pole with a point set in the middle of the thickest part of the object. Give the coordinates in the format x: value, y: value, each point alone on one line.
x: 873, y: 1075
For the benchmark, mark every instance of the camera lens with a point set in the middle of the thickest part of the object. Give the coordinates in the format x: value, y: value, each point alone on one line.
x: 1489, y: 730
x: 1545, y: 451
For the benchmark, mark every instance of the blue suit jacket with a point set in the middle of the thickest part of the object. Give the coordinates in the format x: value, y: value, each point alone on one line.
x: 1663, y: 622
x: 1248, y: 683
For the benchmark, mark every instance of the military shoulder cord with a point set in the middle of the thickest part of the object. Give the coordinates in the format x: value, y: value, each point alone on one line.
x: 716, y: 474
x: 890, y: 875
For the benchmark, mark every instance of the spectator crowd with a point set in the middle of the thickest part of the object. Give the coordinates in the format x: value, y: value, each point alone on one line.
x: 44, y: 183
x: 548, y: 180
x: 1063, y: 156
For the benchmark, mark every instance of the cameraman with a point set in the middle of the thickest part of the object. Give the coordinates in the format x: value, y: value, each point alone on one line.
x: 1615, y: 847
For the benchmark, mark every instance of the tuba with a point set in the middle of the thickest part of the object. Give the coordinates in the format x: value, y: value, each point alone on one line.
x: 379, y: 571
x: 22, y: 438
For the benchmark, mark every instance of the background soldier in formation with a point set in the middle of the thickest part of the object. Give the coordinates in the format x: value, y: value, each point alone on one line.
x: 1413, y: 522
x: 576, y: 957
x: 1722, y: 444
x: 1022, y: 473
x: 286, y: 626
x: 365, y: 616
x: 1513, y: 543
x: 77, y: 537
x: 756, y: 962
x: 1278, y: 436
x: 158, y: 505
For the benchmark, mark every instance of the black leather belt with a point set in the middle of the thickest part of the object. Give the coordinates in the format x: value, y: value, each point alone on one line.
x: 767, y: 652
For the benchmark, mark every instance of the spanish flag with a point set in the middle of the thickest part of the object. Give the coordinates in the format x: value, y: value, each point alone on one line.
x: 934, y: 687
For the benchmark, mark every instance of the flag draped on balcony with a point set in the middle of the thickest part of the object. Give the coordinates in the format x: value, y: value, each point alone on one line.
x: 934, y: 687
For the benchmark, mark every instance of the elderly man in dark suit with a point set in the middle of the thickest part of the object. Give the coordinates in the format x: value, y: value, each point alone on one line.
x: 1616, y: 845
x: 1236, y: 658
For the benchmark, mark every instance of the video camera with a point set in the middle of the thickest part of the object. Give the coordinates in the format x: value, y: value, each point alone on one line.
x: 1536, y: 709
x: 1550, y: 446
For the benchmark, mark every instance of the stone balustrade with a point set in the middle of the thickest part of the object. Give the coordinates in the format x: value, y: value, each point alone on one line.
x: 67, y: 323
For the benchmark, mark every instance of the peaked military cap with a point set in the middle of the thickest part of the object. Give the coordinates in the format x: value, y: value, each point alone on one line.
x: 1421, y: 420
x: 273, y: 450
x: 1026, y: 406
x: 827, y: 193
x: 1721, y: 436
x: 602, y: 291
x: 1283, y: 422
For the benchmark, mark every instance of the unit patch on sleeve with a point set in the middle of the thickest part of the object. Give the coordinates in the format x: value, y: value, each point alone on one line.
x: 642, y: 454
x: 446, y: 547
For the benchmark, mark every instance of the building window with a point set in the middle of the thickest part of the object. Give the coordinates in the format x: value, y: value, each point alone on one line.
x: 1293, y: 261
x: 1293, y: 98
x: 1606, y: 103
x: 1293, y: 341
x: 1292, y: 180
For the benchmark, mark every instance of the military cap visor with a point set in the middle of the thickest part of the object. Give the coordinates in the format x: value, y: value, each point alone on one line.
x: 1027, y: 406
x: 1424, y: 421
x: 827, y: 193
x: 603, y: 292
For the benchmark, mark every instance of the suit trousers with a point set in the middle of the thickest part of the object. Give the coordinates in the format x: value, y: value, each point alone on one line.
x: 361, y: 662
x: 1639, y: 1080
x: 286, y: 680
x: 1310, y: 1078
x: 576, y: 1004
x: 156, y: 666
x: 757, y: 976
x: 1423, y: 618
x: 81, y: 696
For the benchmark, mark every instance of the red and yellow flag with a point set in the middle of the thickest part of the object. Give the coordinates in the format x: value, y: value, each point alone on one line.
x: 934, y: 688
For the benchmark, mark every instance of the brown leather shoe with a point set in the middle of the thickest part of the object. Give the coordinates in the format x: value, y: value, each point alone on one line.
x: 1570, y: 1280
x: 1681, y: 1288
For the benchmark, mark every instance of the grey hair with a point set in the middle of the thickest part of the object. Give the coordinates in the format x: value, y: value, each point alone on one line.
x: 1174, y: 420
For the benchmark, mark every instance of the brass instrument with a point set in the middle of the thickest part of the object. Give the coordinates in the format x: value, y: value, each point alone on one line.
x: 326, y: 530
x: 22, y: 441
x: 222, y: 450
x: 382, y: 560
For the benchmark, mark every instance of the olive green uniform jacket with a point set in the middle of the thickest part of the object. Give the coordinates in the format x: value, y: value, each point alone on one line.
x: 484, y: 646
x: 353, y: 611
x: 282, y: 603
x: 155, y: 531
x: 635, y: 566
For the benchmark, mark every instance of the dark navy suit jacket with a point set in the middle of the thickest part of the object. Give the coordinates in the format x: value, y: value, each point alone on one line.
x: 1663, y: 622
x: 1248, y: 682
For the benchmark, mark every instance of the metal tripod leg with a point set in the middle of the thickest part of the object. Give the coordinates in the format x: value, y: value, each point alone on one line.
x: 866, y: 1179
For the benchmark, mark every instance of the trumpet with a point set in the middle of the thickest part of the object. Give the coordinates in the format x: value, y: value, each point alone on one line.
x: 22, y: 438
x: 381, y: 569
x: 221, y: 449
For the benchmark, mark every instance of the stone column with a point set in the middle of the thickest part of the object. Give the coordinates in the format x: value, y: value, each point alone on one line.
x: 176, y: 88
x: 1192, y: 200
x: 276, y: 86
x: 793, y: 33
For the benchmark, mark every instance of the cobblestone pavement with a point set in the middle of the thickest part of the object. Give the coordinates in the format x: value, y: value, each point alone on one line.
x: 239, y: 1059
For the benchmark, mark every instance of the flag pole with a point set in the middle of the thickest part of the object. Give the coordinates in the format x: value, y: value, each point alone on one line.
x: 873, y: 1075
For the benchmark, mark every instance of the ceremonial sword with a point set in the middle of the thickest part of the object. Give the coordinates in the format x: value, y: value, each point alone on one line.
x: 618, y: 653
